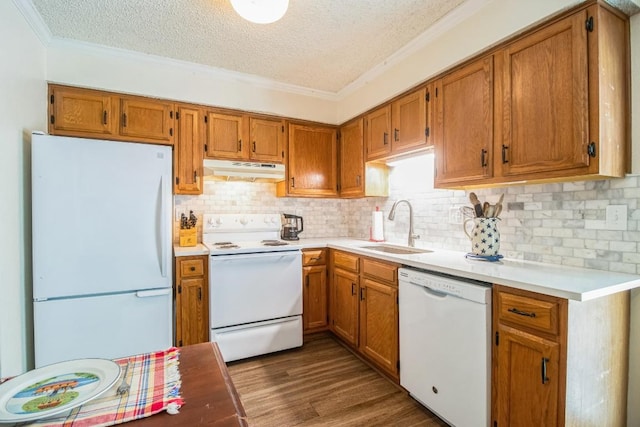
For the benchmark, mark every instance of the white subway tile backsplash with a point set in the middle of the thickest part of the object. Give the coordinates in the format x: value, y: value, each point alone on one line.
x: 543, y: 222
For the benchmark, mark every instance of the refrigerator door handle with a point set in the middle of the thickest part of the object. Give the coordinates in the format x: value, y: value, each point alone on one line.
x: 153, y: 293
x: 163, y: 227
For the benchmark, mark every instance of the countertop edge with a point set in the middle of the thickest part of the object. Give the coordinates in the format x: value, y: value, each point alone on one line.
x: 599, y: 283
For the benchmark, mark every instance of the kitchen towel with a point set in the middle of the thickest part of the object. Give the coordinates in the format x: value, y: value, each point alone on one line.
x: 377, y: 230
x: 154, y: 381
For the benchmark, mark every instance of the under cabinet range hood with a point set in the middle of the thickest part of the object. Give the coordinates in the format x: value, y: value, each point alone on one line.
x: 233, y: 170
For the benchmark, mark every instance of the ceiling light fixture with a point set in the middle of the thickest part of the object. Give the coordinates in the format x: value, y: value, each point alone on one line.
x: 261, y: 11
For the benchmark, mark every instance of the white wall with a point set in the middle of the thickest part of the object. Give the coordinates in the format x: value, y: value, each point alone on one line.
x: 491, y: 22
x: 118, y: 71
x: 22, y: 109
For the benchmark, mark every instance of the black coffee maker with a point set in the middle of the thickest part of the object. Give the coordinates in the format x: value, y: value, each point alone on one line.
x: 292, y: 225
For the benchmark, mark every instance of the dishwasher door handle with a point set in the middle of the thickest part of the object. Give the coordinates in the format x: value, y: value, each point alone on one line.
x: 430, y: 292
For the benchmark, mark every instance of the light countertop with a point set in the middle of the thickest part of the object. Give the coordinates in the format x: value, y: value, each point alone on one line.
x: 578, y: 284
x: 196, y: 250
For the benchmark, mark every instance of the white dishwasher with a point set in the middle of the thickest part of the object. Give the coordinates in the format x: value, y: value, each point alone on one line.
x: 445, y: 353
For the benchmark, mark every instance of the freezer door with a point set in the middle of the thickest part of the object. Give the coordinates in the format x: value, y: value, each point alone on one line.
x: 107, y: 326
x: 101, y: 216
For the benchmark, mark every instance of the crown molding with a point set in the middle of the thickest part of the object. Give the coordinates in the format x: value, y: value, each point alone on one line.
x: 35, y: 21
x: 160, y: 61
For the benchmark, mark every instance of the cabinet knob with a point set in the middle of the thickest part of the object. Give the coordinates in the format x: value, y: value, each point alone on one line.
x: 192, y: 268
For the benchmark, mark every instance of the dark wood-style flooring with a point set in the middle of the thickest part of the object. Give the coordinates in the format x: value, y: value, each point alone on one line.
x: 322, y: 384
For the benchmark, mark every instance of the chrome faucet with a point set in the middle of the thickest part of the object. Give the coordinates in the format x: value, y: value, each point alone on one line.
x: 392, y: 214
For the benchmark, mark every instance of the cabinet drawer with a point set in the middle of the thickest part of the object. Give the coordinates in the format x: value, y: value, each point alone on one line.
x: 531, y: 312
x: 192, y: 268
x: 346, y: 261
x: 314, y: 257
x: 380, y: 270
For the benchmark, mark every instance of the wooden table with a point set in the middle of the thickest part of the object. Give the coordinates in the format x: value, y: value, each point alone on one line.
x: 210, y: 397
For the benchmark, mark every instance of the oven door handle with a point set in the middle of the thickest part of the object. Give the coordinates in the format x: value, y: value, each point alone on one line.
x: 256, y: 256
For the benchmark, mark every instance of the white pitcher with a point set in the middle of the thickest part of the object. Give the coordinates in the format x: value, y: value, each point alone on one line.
x: 484, y: 236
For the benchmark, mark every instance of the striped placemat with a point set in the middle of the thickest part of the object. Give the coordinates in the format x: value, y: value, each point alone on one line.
x: 154, y: 381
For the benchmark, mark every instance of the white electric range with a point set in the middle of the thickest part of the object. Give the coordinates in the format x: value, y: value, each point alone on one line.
x: 255, y: 285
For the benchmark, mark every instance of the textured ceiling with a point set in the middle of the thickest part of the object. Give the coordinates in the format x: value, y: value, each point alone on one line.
x: 319, y: 44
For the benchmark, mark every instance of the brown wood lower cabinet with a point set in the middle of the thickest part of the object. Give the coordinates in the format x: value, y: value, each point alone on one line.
x: 192, y: 300
x: 558, y: 362
x: 364, y: 308
x: 315, y: 313
x: 344, y: 305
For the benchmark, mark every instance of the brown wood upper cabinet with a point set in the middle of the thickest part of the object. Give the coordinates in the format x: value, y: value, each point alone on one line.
x: 226, y: 137
x: 267, y: 140
x: 399, y: 127
x: 188, y: 151
x: 96, y: 114
x: 146, y: 120
x: 242, y: 137
x: 82, y: 112
x: 312, y: 164
x: 557, y: 107
x: 463, y: 130
x: 352, y: 172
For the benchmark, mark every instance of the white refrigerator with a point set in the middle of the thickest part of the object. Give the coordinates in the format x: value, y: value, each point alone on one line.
x: 102, y: 276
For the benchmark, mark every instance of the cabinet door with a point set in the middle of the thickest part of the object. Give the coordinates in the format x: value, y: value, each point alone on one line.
x: 344, y: 305
x: 225, y: 136
x: 188, y: 151
x: 352, y: 159
x: 267, y: 140
x: 313, y: 161
x: 379, y: 324
x: 527, y: 379
x: 545, y: 105
x: 314, y: 313
x: 81, y: 112
x: 146, y: 120
x: 377, y: 136
x: 464, y: 124
x: 191, y: 306
x: 409, y: 121
x: 192, y: 300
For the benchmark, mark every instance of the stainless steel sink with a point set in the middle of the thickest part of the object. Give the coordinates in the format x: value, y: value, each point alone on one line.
x: 401, y: 250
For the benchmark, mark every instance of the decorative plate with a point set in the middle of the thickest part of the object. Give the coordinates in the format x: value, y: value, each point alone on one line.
x: 56, y: 388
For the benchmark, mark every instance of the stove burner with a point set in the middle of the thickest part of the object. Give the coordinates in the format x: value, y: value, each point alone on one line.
x: 222, y: 243
x: 226, y: 246
x: 274, y: 243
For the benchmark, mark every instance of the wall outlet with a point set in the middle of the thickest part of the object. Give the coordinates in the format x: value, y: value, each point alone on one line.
x: 455, y: 216
x: 616, y: 218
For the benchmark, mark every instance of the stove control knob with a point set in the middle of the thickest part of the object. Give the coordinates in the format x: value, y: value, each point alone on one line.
x: 244, y: 220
